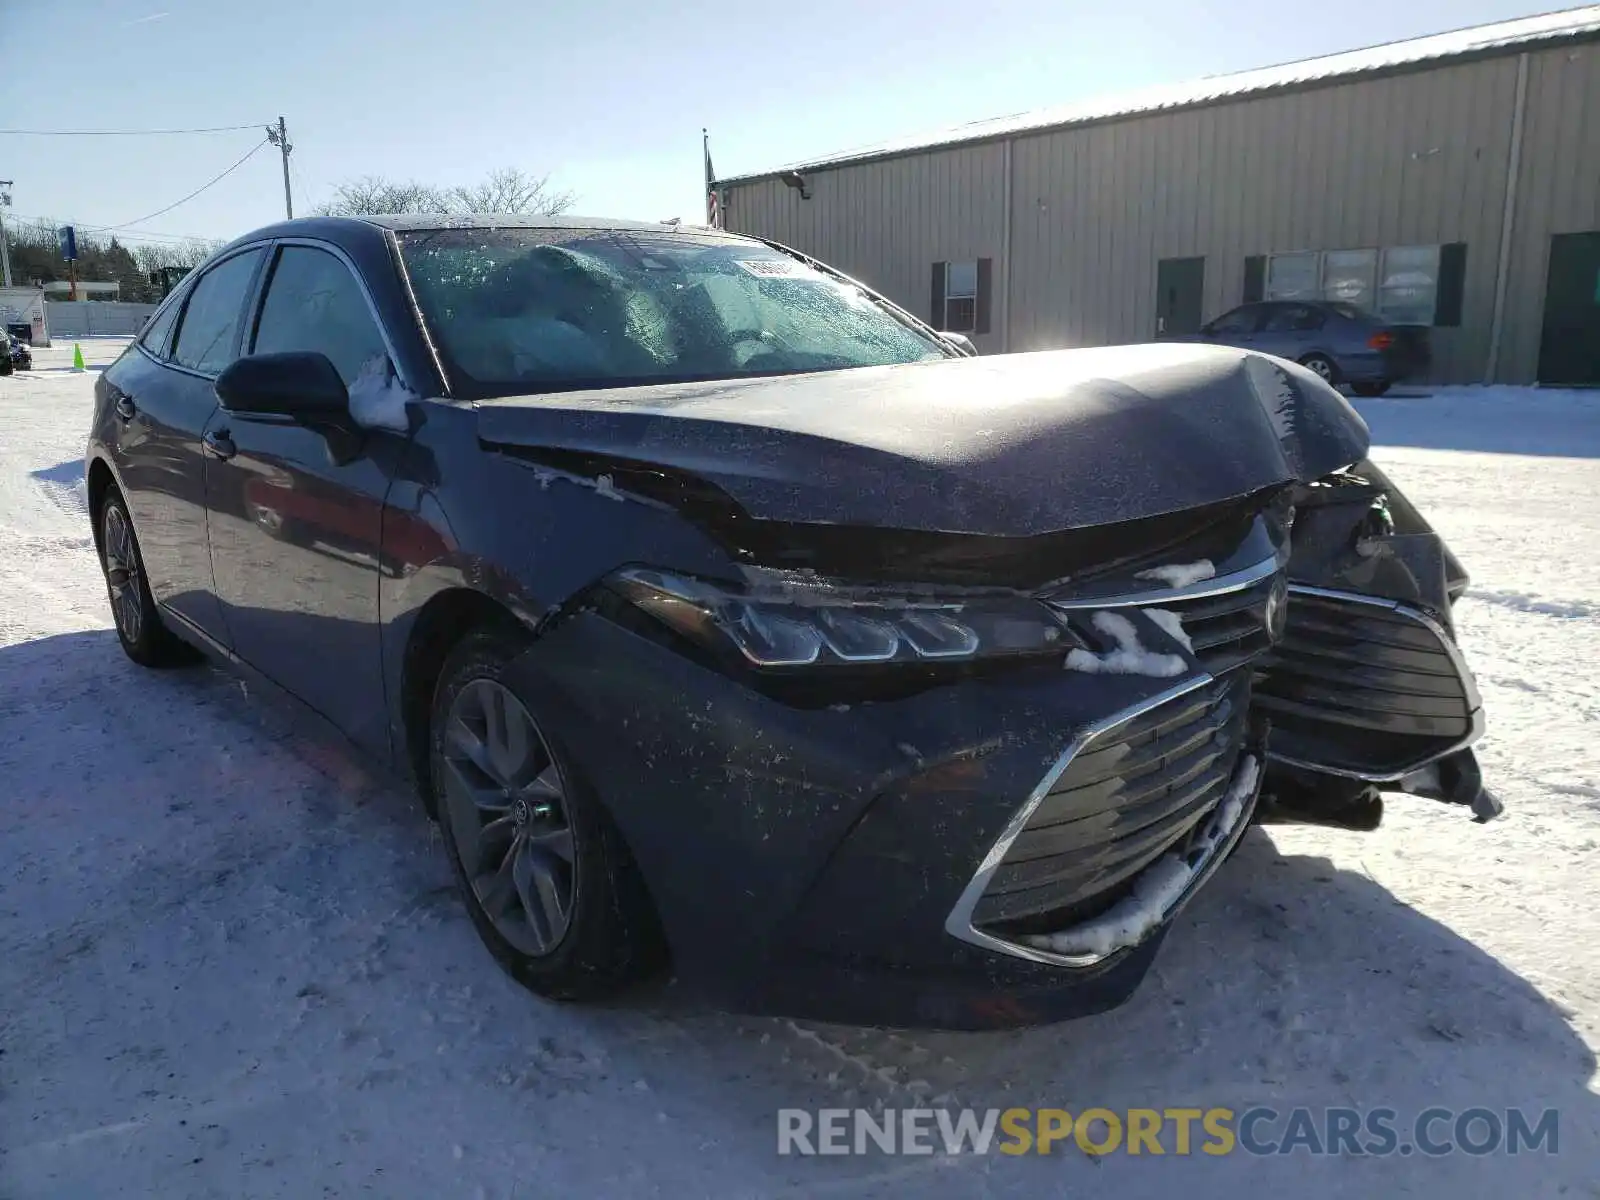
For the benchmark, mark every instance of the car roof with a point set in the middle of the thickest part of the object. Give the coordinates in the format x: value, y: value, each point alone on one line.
x: 399, y: 221
x: 369, y: 230
x: 427, y: 221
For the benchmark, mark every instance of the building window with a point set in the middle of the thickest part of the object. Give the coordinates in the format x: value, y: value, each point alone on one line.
x: 1408, y: 285
x: 961, y: 296
x: 1348, y: 276
x: 1293, y: 276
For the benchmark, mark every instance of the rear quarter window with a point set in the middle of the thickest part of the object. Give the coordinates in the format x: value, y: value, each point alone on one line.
x: 157, y: 336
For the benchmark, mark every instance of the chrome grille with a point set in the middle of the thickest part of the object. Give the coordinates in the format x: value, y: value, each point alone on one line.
x: 1364, y: 687
x: 1129, y: 795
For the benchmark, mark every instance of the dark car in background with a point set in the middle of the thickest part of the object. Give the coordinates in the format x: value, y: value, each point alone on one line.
x: 16, y: 355
x: 1342, y: 343
x: 724, y: 613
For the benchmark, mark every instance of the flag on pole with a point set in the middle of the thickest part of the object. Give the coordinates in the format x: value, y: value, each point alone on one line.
x: 713, y: 200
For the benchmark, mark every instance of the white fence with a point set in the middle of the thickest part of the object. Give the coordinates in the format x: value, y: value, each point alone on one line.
x: 94, y: 318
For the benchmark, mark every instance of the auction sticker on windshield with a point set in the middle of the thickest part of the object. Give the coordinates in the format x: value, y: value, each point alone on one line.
x: 776, y: 268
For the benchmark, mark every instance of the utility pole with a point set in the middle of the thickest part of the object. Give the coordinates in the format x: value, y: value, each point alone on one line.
x: 5, y: 248
x: 278, y: 135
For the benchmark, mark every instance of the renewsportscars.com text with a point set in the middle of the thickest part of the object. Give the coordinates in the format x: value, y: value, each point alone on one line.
x: 1374, y: 1132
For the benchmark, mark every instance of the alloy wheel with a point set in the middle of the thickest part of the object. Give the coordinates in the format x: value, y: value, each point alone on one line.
x: 1321, y: 366
x: 506, y: 803
x: 122, y: 573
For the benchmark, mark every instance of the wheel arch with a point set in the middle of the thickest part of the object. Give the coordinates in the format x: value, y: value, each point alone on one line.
x: 447, y: 617
x: 99, y: 479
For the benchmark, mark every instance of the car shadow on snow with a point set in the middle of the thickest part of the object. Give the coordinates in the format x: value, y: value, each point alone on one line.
x: 1531, y: 421
x: 67, y: 474
x: 1288, y: 982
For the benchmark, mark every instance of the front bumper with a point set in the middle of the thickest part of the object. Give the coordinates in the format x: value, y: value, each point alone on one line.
x: 842, y: 862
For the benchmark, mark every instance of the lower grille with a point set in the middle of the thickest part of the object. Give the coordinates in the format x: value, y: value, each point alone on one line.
x: 1130, y: 794
x: 1365, y: 688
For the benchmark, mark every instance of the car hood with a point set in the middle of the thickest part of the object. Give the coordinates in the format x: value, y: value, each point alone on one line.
x: 1012, y: 445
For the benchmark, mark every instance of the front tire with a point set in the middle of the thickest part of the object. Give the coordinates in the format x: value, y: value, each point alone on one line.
x: 546, y: 877
x: 144, y: 637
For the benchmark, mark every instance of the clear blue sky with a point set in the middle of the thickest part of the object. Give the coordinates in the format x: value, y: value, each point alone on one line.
x: 607, y: 96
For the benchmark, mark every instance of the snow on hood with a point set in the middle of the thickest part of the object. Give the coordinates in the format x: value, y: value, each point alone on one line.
x: 1011, y: 445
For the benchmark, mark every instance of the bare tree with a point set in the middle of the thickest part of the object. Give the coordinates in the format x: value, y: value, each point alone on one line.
x: 189, y: 253
x: 374, y: 194
x: 509, y: 190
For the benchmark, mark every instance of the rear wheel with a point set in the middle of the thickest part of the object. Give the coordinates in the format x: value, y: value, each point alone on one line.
x: 144, y: 637
x: 546, y: 877
x: 1322, y: 365
x: 1370, y: 389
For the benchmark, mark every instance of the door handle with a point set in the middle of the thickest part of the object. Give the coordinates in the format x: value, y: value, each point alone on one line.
x: 125, y: 407
x: 219, y: 444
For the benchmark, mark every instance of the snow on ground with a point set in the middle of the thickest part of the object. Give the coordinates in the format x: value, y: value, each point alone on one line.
x: 231, y: 963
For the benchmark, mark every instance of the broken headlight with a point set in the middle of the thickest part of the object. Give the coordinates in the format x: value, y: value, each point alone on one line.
x: 808, y: 622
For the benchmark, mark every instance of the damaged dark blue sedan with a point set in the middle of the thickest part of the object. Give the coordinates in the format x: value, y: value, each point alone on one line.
x: 730, y: 618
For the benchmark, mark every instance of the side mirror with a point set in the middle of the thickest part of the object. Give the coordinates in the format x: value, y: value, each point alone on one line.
x: 302, y: 385
x: 962, y: 343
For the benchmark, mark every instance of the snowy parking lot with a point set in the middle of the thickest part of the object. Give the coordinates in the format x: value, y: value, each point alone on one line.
x: 232, y: 963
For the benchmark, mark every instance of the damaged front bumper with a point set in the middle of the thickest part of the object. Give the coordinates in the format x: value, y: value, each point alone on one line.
x: 1156, y: 895
x: 816, y: 859
x: 1368, y: 689
x: 1007, y: 846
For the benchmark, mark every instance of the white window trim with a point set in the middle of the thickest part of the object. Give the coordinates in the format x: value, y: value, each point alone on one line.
x: 950, y: 295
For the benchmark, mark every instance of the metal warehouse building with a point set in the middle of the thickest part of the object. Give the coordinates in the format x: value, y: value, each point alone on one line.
x: 1450, y: 181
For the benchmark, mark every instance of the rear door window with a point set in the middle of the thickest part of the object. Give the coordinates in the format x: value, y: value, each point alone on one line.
x: 1293, y: 318
x: 1240, y: 320
x: 209, y: 334
x: 314, y: 303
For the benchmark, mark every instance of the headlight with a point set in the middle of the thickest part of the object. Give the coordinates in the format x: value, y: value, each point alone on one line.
x: 815, y: 623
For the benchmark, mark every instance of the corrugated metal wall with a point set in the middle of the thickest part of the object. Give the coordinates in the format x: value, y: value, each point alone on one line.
x: 1410, y: 159
x: 1406, y: 160
x: 887, y: 223
x: 1558, y: 188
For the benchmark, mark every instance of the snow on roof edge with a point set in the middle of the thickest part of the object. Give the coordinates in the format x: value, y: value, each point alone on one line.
x: 1517, y: 34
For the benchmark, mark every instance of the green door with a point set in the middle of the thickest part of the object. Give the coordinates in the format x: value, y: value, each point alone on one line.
x: 1569, y: 352
x: 1180, y: 296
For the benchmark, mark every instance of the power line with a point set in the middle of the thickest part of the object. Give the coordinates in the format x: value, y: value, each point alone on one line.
x: 218, y: 179
x: 176, y: 203
x: 51, y: 224
x: 126, y: 132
